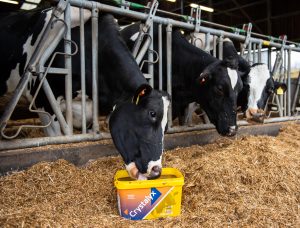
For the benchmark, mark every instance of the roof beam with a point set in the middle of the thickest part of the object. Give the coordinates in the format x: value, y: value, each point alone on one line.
x: 241, y: 7
x: 246, y: 15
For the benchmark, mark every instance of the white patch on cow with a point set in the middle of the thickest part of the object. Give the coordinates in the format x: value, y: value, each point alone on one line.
x: 75, y: 16
x: 227, y: 40
x: 233, y: 76
x: 164, y: 120
x: 134, y: 36
x: 28, y: 49
x: 258, y: 77
x: 151, y: 164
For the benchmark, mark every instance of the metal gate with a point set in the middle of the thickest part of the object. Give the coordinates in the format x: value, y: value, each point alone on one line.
x: 251, y: 46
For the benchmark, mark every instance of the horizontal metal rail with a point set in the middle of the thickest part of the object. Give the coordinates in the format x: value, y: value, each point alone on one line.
x: 143, y: 16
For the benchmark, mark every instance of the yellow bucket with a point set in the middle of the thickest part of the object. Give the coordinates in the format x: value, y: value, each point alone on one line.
x: 148, y: 199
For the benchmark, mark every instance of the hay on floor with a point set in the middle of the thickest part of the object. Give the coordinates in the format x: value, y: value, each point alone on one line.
x: 251, y: 181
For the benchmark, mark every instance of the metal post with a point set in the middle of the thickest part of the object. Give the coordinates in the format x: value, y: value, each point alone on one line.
x: 68, y: 65
x: 249, y: 52
x: 289, y: 100
x: 259, y: 53
x: 269, y: 59
x: 296, y: 93
x: 95, y: 69
x: 82, y: 68
x: 150, y: 57
x: 254, y: 53
x: 169, y: 69
x: 221, y: 47
x: 215, y: 46
x: 160, y: 63
x: 285, y: 81
x: 207, y: 42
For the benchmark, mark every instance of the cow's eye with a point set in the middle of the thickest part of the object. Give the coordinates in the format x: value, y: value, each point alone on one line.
x: 271, y: 90
x: 152, y: 114
x: 219, y: 91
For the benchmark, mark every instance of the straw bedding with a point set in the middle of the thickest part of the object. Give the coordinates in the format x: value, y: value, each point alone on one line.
x: 250, y: 181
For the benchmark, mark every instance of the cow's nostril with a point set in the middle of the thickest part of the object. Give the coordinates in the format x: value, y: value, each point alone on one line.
x: 156, y: 169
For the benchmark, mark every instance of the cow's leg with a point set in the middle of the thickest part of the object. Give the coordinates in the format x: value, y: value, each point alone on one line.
x: 54, y: 128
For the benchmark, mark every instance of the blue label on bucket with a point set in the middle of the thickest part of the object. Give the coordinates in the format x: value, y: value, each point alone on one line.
x: 136, y: 204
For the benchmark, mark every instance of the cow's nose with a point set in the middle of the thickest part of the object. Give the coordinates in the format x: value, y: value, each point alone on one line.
x: 232, y: 130
x: 155, y: 172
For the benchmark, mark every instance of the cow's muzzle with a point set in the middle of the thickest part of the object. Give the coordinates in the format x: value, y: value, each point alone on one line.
x: 232, y: 130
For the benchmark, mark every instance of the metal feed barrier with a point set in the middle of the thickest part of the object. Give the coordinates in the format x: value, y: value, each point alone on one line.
x: 251, y: 46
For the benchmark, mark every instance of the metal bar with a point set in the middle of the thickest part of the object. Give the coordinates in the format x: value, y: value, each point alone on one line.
x: 55, y: 106
x: 259, y: 54
x: 269, y: 59
x: 68, y: 65
x: 285, y: 81
x: 14, y: 100
x: 249, y: 52
x: 296, y: 93
x: 254, y: 54
x: 36, y: 142
x: 95, y: 12
x: 207, y: 42
x: 220, y: 47
x: 82, y: 72
x: 169, y: 69
x: 143, y: 50
x: 160, y: 63
x: 289, y: 100
x: 165, y: 21
x: 215, y: 46
x: 150, y: 57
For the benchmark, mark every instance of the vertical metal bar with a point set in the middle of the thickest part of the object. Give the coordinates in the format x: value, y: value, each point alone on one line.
x: 289, y: 100
x: 68, y: 65
x: 95, y: 69
x: 269, y: 58
x: 169, y: 69
x: 215, y: 46
x: 296, y: 93
x: 285, y: 81
x: 207, y: 42
x: 160, y: 63
x: 281, y: 71
x: 249, y: 53
x: 82, y: 72
x: 254, y: 53
x: 221, y: 48
x: 55, y: 106
x: 259, y: 53
x: 150, y: 57
x: 14, y: 100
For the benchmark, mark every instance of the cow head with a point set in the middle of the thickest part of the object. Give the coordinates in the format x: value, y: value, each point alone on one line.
x: 137, y: 128
x: 220, y: 85
x: 260, y: 85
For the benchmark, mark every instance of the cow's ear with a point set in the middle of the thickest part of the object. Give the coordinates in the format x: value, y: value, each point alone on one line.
x: 280, y: 88
x: 143, y: 91
x: 203, y: 78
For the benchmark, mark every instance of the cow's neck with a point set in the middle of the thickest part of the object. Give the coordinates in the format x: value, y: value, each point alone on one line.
x: 115, y: 59
x: 189, y: 59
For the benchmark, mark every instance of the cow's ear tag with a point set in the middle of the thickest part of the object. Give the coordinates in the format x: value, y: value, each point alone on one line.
x: 141, y: 94
x: 202, y: 81
x: 279, y: 91
x: 143, y: 91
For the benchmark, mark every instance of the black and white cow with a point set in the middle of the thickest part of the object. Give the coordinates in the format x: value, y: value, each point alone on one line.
x: 258, y: 84
x: 198, y: 77
x: 139, y: 117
